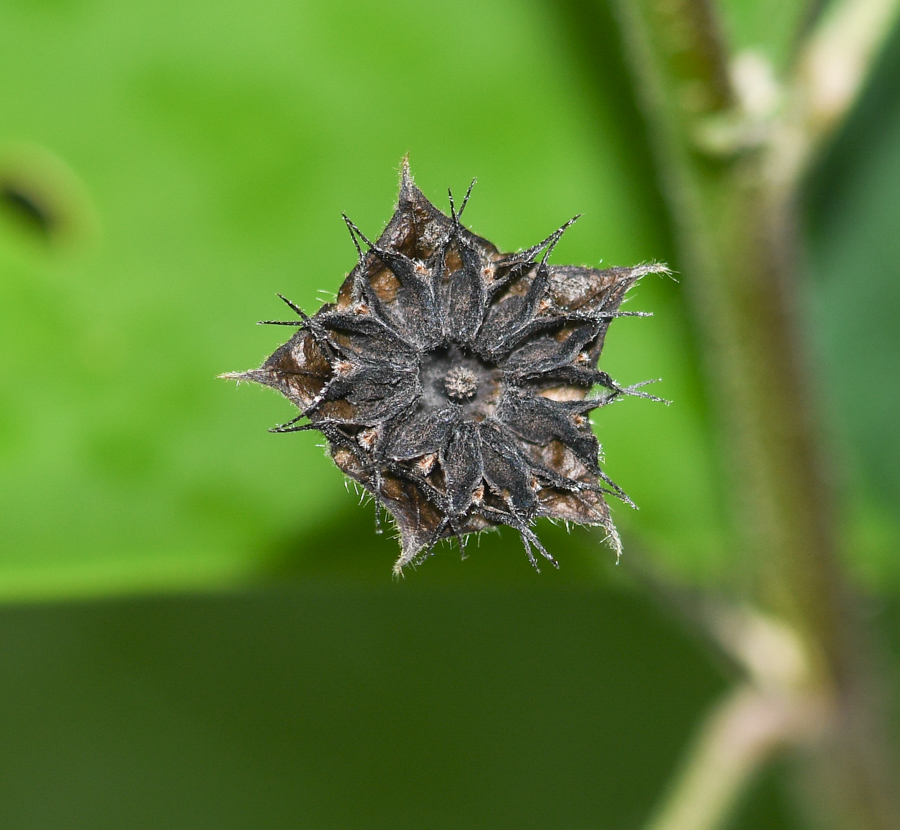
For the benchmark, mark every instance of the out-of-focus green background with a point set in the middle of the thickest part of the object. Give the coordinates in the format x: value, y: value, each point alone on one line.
x: 219, y: 643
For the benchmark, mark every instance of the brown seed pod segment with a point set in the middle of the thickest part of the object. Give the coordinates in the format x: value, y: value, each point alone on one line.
x: 452, y: 381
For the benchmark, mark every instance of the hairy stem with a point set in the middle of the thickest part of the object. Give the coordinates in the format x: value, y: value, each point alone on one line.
x: 731, y: 180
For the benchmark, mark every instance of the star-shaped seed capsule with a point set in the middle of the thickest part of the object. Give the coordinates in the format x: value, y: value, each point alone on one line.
x: 453, y: 381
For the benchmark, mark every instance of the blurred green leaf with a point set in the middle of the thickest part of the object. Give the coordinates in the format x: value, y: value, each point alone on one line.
x: 855, y: 299
x: 328, y: 706
x: 217, y: 151
x: 172, y: 167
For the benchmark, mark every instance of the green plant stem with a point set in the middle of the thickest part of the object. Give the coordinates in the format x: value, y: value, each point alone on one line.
x: 831, y: 68
x: 774, y: 707
x: 737, y: 738
x: 731, y: 184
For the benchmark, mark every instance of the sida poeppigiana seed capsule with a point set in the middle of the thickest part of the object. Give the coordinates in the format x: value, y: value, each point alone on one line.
x: 453, y: 381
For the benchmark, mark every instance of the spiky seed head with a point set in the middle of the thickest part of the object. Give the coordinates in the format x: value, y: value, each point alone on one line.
x: 452, y: 381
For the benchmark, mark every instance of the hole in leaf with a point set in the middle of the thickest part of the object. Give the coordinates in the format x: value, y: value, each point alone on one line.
x: 42, y: 199
x: 27, y: 208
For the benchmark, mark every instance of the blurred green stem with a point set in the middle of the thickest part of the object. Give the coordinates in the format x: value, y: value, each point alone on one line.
x: 736, y: 740
x: 832, y: 66
x: 732, y: 147
x: 774, y: 707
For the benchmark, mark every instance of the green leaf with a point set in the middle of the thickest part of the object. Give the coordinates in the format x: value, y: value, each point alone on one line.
x: 166, y: 170
x: 855, y: 298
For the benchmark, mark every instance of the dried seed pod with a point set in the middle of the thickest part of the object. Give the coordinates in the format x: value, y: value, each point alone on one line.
x: 452, y: 381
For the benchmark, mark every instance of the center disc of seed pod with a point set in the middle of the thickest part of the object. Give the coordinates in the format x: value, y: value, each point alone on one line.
x: 455, y: 376
x: 461, y: 384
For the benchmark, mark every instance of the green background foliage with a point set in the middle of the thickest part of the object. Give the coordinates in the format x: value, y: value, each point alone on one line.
x: 189, y: 160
